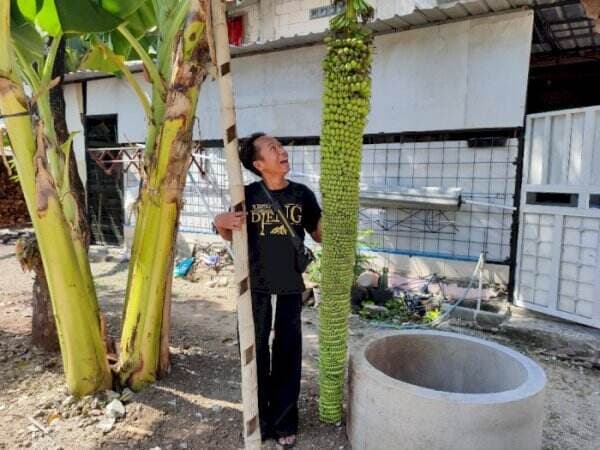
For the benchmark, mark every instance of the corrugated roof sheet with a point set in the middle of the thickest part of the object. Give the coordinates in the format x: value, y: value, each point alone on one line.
x: 422, y: 13
x: 414, y: 17
x: 561, y: 26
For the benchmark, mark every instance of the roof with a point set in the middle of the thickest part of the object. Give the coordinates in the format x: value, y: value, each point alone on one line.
x: 415, y: 16
x: 81, y: 75
x: 562, y: 26
x: 559, y: 26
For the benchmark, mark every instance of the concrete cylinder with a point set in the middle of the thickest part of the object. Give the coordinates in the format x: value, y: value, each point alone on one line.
x: 435, y: 390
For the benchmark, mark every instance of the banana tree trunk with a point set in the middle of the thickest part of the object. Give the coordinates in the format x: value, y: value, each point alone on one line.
x: 159, y: 207
x: 84, y: 357
x: 43, y: 325
x: 58, y: 107
x: 252, y: 436
x: 44, y: 333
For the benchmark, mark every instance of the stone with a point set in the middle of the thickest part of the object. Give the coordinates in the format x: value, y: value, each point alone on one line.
x: 375, y: 309
x: 115, y: 409
x: 70, y: 400
x: 367, y: 279
x: 216, y: 408
x: 111, y: 395
x: 106, y: 425
x: 127, y: 395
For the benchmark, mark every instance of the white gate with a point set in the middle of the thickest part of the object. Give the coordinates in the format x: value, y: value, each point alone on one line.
x: 558, y: 260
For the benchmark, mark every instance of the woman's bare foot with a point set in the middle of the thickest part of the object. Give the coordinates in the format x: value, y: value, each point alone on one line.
x: 287, y: 441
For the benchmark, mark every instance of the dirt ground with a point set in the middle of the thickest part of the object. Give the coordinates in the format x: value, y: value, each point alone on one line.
x: 198, y: 405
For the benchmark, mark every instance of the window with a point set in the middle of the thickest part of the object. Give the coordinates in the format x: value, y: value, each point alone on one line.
x: 552, y: 199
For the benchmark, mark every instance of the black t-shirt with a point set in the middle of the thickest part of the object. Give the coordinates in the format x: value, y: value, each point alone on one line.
x: 272, y: 254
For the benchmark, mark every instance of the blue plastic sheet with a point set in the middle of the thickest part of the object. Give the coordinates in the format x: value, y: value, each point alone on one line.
x: 183, y: 267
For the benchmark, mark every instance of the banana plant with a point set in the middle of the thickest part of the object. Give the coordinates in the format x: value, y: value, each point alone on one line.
x: 30, y: 35
x: 171, y: 39
x: 31, y: 32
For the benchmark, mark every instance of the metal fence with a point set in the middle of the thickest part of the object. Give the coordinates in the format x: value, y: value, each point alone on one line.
x: 482, y: 164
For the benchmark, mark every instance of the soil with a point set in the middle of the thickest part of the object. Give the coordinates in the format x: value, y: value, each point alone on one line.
x: 198, y: 405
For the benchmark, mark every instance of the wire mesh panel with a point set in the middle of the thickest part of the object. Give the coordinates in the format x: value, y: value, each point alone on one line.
x: 206, y: 191
x: 104, y: 186
x: 483, y: 169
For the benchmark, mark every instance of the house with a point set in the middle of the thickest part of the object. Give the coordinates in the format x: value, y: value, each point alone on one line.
x: 461, y: 95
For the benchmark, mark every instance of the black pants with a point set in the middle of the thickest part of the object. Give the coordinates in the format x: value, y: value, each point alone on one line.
x: 279, y: 373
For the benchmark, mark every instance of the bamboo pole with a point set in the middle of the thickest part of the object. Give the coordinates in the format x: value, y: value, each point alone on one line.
x: 252, y: 438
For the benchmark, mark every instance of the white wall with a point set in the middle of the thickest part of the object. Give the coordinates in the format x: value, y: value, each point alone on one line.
x: 73, y: 111
x: 267, y: 20
x: 114, y: 96
x: 470, y: 74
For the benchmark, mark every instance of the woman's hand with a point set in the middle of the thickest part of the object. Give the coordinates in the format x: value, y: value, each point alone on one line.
x: 230, y: 220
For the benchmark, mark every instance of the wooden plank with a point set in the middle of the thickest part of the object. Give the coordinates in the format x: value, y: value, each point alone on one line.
x: 561, y: 314
x: 556, y: 254
x: 565, y: 153
x: 572, y: 212
x: 591, y: 148
x: 575, y: 168
x: 557, y: 143
x: 539, y: 144
x: 563, y: 111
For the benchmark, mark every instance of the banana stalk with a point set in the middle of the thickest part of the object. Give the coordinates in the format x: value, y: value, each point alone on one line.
x: 346, y: 99
x: 84, y: 357
x: 159, y: 207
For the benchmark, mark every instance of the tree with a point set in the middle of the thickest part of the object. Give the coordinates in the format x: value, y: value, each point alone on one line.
x: 346, y: 99
x: 180, y: 31
x: 43, y: 165
x: 43, y: 326
x: 176, y: 83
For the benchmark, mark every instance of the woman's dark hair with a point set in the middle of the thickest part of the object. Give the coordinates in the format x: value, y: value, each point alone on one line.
x: 249, y: 152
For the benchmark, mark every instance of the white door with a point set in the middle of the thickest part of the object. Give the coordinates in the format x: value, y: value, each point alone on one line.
x: 558, y: 259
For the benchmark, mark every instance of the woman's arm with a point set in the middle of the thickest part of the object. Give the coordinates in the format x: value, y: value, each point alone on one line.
x: 316, y: 235
x: 229, y: 221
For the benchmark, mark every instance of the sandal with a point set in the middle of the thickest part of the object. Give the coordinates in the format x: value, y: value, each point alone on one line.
x: 286, y: 444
